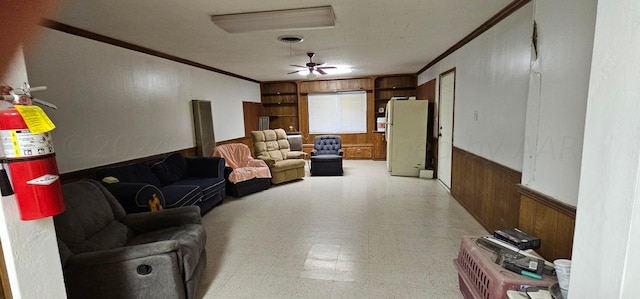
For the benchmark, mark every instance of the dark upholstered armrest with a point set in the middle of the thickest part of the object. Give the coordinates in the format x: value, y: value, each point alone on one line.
x: 207, y: 167
x: 135, y: 197
x: 340, y: 152
x: 151, y: 221
x: 227, y: 172
x: 122, y: 254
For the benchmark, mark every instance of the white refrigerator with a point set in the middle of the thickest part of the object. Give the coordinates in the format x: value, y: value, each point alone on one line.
x: 406, y: 136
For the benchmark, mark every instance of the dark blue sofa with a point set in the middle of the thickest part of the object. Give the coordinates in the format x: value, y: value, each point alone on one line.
x: 173, y: 182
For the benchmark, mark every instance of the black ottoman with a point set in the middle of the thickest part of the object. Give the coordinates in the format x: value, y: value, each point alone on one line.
x: 326, y: 165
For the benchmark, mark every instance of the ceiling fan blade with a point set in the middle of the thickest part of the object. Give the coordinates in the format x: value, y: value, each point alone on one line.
x: 312, y: 66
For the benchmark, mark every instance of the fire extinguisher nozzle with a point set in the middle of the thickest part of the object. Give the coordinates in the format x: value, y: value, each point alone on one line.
x: 5, y: 184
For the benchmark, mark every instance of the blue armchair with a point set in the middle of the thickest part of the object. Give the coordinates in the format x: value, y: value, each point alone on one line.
x: 326, y: 156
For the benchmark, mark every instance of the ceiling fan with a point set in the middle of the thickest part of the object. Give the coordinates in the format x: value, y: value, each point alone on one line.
x: 312, y: 67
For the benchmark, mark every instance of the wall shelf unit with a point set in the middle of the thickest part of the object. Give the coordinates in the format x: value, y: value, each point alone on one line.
x: 393, y: 86
x: 280, y: 104
x: 386, y: 87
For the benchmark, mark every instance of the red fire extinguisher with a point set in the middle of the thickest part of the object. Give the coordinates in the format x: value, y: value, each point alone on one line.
x: 31, y: 161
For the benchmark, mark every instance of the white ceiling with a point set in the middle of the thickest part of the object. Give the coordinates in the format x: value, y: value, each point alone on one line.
x: 374, y: 37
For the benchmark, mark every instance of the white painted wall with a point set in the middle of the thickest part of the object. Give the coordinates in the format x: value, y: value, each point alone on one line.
x: 606, y: 263
x: 492, y: 78
x: 115, y: 104
x: 30, y: 248
x: 558, y: 97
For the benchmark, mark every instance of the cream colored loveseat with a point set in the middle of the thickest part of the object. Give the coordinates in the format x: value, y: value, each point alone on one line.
x: 273, y: 147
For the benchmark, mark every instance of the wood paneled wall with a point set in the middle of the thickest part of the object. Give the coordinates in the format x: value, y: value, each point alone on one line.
x: 89, y: 173
x: 486, y: 189
x: 550, y: 220
x: 245, y: 140
x: 492, y: 193
x: 427, y: 91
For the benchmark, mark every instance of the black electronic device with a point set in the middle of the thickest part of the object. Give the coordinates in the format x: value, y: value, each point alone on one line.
x: 529, y: 264
x: 517, y: 238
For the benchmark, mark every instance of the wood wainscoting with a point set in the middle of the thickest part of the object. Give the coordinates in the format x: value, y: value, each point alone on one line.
x: 548, y: 219
x: 493, y: 195
x: 89, y: 173
x: 486, y: 189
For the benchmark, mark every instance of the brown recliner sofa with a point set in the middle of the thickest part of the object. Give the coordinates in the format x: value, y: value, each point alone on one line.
x: 273, y: 147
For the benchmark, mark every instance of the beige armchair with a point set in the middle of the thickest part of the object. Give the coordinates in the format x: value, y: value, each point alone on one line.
x: 273, y: 147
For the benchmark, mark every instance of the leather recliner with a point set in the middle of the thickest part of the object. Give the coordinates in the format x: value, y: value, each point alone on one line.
x: 106, y: 253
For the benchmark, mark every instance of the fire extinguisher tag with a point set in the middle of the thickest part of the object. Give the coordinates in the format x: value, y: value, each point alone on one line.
x: 22, y: 143
x: 44, y: 180
x: 35, y: 118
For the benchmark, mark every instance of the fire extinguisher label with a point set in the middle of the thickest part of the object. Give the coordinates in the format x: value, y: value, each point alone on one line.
x: 22, y: 143
x: 37, y: 121
x: 46, y: 179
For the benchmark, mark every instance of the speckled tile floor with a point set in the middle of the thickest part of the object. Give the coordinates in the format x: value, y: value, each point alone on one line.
x: 363, y: 235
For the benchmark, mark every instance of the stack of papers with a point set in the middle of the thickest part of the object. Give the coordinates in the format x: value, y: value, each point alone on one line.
x: 539, y: 294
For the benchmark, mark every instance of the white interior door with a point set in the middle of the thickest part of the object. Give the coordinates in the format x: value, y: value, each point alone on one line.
x: 445, y: 126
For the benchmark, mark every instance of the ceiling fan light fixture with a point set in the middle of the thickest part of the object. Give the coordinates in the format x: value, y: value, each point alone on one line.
x: 287, y: 19
x: 311, y: 76
x: 339, y: 70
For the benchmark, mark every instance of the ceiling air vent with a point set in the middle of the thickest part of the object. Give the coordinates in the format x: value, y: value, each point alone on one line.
x: 290, y: 39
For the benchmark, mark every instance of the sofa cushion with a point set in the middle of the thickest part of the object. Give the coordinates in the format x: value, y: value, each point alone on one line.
x: 170, y: 170
x: 287, y: 164
x: 326, y: 158
x: 208, y: 186
x: 131, y: 173
x: 181, y: 195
